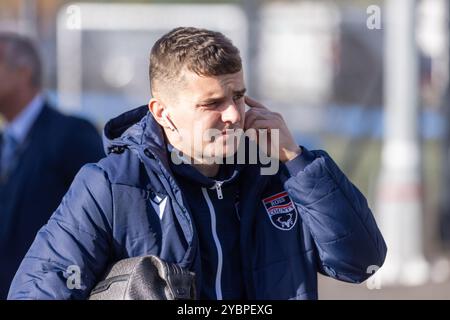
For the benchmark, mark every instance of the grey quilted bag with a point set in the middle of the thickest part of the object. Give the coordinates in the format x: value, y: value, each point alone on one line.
x: 145, y: 278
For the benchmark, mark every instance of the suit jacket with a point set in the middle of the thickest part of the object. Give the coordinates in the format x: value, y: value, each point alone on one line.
x: 55, y: 149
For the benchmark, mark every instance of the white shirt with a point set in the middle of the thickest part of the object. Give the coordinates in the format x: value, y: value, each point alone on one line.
x: 22, y: 124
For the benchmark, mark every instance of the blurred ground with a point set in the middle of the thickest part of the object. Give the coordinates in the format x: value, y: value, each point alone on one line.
x: 332, y: 289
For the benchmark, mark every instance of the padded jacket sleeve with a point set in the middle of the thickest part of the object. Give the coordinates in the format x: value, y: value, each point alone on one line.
x: 348, y: 241
x: 70, y: 253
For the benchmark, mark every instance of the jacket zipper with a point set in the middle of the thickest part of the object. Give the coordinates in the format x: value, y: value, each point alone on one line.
x: 218, y: 284
x: 218, y: 187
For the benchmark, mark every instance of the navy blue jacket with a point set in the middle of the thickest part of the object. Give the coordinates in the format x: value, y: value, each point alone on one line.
x: 215, y: 213
x: 55, y: 149
x: 306, y: 219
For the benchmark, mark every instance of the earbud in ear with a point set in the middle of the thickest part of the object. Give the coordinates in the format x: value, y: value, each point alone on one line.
x: 169, y: 122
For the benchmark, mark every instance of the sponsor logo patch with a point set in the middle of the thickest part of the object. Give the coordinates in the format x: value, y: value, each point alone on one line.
x: 281, y: 211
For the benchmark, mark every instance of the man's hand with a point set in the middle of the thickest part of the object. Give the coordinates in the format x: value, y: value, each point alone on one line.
x: 259, y: 117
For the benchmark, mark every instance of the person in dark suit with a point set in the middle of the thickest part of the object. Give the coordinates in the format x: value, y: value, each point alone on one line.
x: 41, y: 150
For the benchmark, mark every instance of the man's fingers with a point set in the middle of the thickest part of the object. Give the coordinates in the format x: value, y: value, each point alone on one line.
x: 256, y: 113
x: 252, y: 115
x: 252, y: 103
x: 262, y: 124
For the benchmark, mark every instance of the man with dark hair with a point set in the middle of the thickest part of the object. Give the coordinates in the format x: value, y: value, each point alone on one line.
x: 174, y: 185
x: 41, y: 150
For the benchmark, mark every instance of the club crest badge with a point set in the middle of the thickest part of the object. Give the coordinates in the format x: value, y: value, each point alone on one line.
x: 281, y: 211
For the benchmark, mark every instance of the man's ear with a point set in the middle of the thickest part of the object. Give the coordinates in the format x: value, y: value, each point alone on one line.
x: 157, y: 109
x: 160, y: 114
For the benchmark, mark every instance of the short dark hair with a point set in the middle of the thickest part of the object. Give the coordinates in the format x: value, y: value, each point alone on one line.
x: 205, y: 52
x: 20, y: 51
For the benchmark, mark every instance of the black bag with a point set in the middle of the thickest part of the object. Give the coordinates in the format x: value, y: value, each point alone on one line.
x: 145, y: 278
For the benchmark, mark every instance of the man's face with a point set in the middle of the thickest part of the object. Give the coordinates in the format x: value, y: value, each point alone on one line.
x: 9, y: 80
x: 207, y: 106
